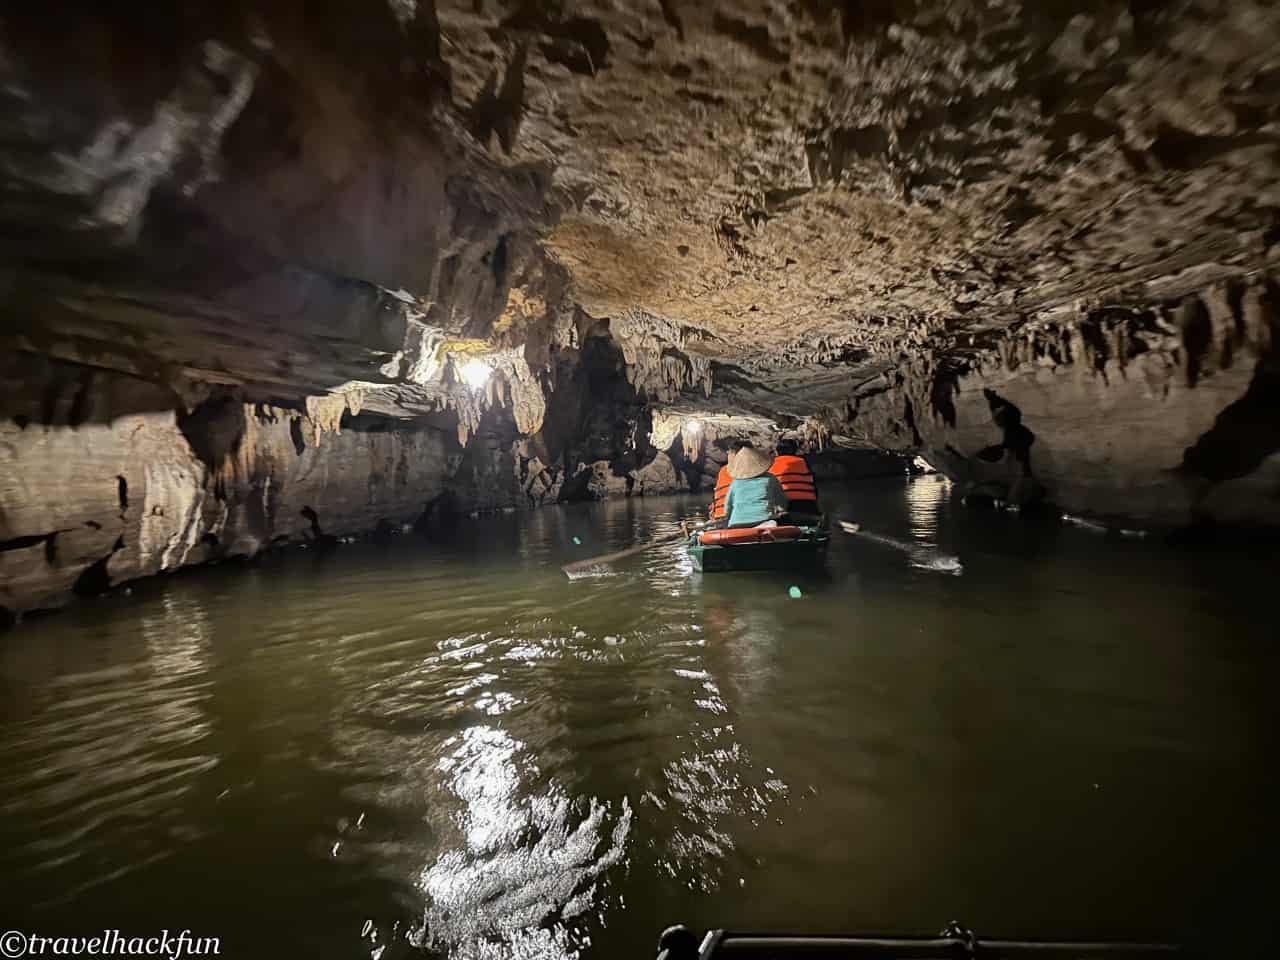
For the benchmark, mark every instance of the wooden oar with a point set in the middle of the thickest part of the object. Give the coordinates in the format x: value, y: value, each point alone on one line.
x: 922, y: 557
x: 579, y: 565
x: 856, y: 528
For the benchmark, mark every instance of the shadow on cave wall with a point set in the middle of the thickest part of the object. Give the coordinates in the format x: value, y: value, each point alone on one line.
x: 1015, y: 440
x: 485, y: 473
x: 1246, y: 432
x: 213, y: 429
x: 1017, y: 483
x: 38, y: 391
x: 594, y: 415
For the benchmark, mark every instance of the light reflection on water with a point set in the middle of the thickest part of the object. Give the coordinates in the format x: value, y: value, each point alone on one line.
x: 925, y: 495
x: 543, y: 755
x: 519, y: 862
x: 450, y: 746
x: 525, y: 868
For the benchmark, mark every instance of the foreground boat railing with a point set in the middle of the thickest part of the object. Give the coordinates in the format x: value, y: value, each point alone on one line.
x: 954, y: 943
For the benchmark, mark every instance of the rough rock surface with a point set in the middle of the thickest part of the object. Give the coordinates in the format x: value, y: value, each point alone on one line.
x: 658, y: 477
x: 132, y: 491
x: 1169, y: 416
x: 513, y: 249
x: 803, y: 183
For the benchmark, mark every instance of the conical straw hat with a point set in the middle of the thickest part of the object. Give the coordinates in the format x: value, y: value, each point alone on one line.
x: 749, y: 462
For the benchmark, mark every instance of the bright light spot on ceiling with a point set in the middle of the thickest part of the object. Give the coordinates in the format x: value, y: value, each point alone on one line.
x: 475, y: 373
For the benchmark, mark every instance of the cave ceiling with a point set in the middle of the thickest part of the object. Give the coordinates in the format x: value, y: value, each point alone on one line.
x: 765, y: 201
x: 811, y: 190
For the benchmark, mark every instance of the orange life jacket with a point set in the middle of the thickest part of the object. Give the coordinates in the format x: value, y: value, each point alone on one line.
x: 723, y: 480
x: 796, y: 478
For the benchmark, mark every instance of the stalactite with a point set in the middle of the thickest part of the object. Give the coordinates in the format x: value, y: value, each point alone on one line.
x: 656, y: 353
x: 325, y: 414
x: 1106, y: 390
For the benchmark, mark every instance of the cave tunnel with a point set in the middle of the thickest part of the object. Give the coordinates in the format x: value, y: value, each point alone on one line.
x: 502, y: 479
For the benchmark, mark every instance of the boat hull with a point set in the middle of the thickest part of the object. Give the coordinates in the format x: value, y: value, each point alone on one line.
x: 808, y: 551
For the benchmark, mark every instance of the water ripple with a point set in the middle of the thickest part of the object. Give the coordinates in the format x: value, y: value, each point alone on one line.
x: 451, y: 745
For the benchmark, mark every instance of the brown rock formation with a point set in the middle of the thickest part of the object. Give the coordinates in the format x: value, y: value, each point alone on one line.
x: 358, y: 258
x: 807, y: 183
x: 1167, y: 416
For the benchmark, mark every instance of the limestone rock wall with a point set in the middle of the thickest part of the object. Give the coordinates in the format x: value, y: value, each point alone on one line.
x: 108, y: 476
x: 1167, y: 414
x: 268, y: 255
x: 256, y: 260
x: 101, y: 483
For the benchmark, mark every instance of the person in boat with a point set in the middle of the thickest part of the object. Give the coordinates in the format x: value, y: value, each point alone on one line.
x: 797, y: 481
x: 755, y: 496
x: 723, y: 480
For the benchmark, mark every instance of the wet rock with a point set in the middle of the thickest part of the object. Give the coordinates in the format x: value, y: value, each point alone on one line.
x: 602, y: 482
x: 658, y: 477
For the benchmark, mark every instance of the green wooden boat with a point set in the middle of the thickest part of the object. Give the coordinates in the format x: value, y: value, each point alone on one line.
x: 804, y: 552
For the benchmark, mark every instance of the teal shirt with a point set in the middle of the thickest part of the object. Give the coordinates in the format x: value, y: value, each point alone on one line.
x: 751, y: 501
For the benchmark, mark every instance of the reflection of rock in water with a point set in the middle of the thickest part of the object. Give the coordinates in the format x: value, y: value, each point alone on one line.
x: 124, y: 744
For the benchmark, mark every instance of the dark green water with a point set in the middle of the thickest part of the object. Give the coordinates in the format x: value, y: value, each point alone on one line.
x: 321, y: 755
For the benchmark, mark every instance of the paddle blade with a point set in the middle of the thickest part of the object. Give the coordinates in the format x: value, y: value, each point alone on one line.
x: 578, y: 572
x: 581, y: 568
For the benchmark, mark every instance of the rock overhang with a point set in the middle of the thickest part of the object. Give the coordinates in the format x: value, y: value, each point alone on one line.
x: 803, y: 182
x: 764, y: 211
